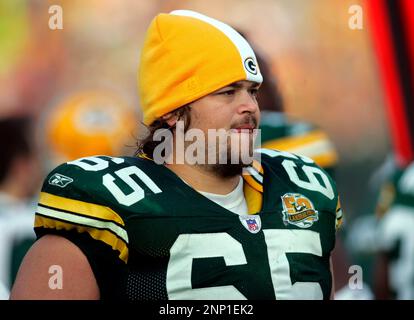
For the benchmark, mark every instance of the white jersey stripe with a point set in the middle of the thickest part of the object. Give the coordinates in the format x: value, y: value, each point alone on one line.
x: 258, y: 177
x: 90, y: 222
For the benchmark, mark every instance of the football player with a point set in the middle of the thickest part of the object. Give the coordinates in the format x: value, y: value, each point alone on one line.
x: 395, y: 211
x: 85, y: 123
x: 156, y: 227
x: 19, y: 182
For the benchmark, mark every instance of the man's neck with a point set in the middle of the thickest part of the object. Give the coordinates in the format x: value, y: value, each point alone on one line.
x: 201, y: 179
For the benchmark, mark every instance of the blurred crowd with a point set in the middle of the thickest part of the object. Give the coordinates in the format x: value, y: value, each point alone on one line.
x: 70, y: 93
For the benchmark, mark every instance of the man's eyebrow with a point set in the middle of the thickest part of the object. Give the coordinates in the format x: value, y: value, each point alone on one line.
x: 239, y: 84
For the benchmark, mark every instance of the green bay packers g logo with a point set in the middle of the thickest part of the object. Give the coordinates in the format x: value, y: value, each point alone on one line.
x: 298, y: 210
x: 250, y: 65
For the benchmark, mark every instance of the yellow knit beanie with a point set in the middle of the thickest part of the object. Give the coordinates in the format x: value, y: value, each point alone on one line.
x: 187, y: 55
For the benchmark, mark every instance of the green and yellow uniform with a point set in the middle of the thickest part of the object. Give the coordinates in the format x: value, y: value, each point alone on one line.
x: 149, y: 235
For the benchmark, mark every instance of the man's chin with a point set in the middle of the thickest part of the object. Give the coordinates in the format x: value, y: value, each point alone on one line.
x: 227, y: 170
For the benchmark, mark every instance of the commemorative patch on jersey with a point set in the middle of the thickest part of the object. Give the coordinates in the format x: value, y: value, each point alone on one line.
x: 298, y: 210
x: 251, y: 222
x: 60, y: 180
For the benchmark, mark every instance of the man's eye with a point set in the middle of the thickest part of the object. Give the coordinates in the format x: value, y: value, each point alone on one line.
x: 254, y: 92
x: 228, y: 92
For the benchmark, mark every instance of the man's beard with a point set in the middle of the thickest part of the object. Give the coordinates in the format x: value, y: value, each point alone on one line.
x: 227, y: 170
x: 229, y: 151
x: 234, y: 164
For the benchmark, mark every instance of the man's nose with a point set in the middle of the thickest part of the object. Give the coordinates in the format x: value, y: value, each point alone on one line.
x: 247, y: 103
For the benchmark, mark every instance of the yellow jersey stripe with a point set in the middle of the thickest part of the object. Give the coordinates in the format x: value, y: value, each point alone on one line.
x: 77, y: 206
x: 256, y: 165
x: 338, y: 204
x: 105, y: 236
x: 254, y: 199
x: 338, y: 221
x: 252, y: 182
x: 253, y: 188
x: 86, y: 221
x: 254, y: 174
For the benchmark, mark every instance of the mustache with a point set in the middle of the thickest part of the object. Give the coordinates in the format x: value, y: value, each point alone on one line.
x: 247, y: 120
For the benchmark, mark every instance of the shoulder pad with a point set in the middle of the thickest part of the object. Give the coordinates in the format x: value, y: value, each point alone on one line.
x: 81, y: 195
x: 304, y: 176
x: 300, y: 170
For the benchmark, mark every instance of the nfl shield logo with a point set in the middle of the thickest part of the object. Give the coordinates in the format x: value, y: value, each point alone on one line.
x: 252, y: 225
x: 251, y: 222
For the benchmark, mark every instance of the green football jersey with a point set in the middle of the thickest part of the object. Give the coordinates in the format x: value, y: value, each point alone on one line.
x: 398, y: 189
x: 149, y: 235
x: 395, y: 230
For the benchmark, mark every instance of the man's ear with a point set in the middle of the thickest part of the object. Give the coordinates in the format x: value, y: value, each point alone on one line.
x: 171, y: 118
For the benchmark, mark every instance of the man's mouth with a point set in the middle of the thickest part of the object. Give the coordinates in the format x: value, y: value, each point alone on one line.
x: 245, y: 128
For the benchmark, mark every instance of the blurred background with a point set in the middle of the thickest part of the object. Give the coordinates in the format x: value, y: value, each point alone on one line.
x: 327, y: 73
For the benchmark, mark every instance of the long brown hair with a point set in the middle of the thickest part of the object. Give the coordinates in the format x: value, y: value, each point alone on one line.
x: 147, y: 145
